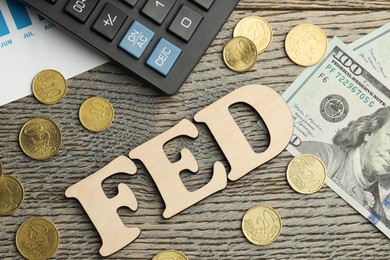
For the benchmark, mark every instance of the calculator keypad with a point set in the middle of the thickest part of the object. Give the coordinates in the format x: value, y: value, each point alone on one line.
x: 160, y: 41
x: 138, y: 36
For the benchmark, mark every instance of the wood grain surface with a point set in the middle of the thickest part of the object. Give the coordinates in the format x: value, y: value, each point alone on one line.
x: 317, y: 226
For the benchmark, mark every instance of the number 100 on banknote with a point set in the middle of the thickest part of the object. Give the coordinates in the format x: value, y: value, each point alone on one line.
x: 325, y: 98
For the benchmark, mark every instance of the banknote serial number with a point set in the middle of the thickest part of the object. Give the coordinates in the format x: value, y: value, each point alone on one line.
x: 346, y: 83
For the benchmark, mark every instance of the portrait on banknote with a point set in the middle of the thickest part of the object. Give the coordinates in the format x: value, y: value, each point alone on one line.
x: 341, y: 115
x: 358, y: 161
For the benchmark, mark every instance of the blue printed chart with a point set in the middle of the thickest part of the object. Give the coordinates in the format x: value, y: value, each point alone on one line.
x: 30, y: 44
x: 20, y: 17
x: 17, y: 22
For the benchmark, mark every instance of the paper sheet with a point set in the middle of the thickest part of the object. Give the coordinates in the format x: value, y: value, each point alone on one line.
x: 30, y: 44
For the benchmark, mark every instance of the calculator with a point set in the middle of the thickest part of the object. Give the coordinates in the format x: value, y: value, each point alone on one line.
x: 160, y: 41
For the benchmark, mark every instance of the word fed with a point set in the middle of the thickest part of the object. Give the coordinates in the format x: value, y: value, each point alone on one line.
x: 241, y: 157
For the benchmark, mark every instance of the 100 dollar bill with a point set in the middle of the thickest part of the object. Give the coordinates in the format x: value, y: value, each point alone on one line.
x: 336, y: 107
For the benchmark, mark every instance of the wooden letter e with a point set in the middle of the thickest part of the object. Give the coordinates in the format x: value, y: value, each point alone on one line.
x: 166, y: 175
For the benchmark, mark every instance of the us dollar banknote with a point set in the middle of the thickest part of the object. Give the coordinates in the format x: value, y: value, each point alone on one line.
x: 341, y: 115
x: 374, y: 48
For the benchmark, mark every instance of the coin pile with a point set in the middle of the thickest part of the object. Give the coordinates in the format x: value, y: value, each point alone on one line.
x: 261, y: 225
x: 96, y: 114
x: 170, y: 254
x: 11, y: 193
x: 306, y: 174
x: 251, y: 36
x: 306, y: 44
x: 37, y: 238
x: 49, y: 87
x: 255, y: 29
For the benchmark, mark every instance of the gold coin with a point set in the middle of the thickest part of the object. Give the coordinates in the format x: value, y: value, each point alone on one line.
x: 261, y: 225
x: 306, y: 44
x: 255, y: 29
x: 40, y: 138
x: 240, y: 54
x: 306, y: 174
x: 49, y: 87
x: 96, y: 114
x: 170, y: 255
x: 11, y: 194
x: 37, y: 238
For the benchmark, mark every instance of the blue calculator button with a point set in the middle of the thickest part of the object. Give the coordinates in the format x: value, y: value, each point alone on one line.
x: 136, y: 39
x: 163, y: 57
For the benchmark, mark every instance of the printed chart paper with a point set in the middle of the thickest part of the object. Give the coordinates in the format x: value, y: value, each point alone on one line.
x: 29, y: 44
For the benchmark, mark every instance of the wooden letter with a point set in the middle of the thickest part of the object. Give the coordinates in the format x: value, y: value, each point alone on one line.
x: 103, y: 211
x: 166, y: 175
x: 275, y: 114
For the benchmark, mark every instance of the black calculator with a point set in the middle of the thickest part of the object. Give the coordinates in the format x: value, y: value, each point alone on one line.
x: 160, y: 41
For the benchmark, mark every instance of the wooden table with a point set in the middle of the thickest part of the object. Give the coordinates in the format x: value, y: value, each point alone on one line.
x: 321, y: 225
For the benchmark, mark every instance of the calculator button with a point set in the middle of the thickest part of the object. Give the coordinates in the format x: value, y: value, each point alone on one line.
x: 80, y: 9
x: 163, y: 57
x: 136, y: 39
x: 157, y: 10
x: 206, y: 4
x: 130, y: 2
x: 109, y: 21
x: 185, y: 23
